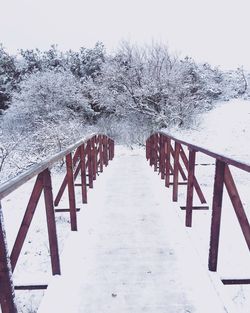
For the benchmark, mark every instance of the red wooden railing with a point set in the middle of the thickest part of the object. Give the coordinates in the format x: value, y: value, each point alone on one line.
x: 168, y: 155
x: 86, y: 158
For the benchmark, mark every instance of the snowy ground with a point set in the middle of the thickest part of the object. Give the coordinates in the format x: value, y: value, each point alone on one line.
x: 227, y: 130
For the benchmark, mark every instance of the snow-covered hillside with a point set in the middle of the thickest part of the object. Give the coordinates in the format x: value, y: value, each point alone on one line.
x: 225, y: 129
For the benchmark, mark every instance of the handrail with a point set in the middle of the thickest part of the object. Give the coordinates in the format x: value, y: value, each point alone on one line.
x: 86, y: 158
x: 167, y: 155
x: 227, y: 159
x: 12, y: 184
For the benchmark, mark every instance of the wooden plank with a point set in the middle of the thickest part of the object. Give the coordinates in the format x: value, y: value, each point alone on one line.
x: 190, y: 188
x: 31, y: 287
x: 176, y: 171
x: 101, y: 153
x: 71, y: 192
x: 105, y: 150
x: 216, y: 215
x: 236, y: 281
x: 51, y: 223
x: 7, y: 294
x: 83, y: 174
x: 156, y: 138
x: 93, y: 157
x: 90, y: 167
x: 28, y: 216
x: 110, y: 149
x: 113, y: 149
x: 167, y: 164
x: 65, y: 210
x: 204, y: 207
x: 162, y: 157
x: 237, y: 205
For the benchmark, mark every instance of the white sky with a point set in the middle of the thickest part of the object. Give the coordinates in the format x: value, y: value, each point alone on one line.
x: 217, y: 31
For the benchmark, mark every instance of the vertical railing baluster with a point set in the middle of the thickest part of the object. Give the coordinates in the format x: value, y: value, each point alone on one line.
x: 176, y: 171
x: 105, y: 150
x: 155, y: 152
x: 51, y: 222
x: 90, y: 167
x: 71, y: 192
x: 162, y: 156
x: 93, y: 157
x: 7, y: 294
x: 101, y: 153
x: 216, y: 215
x: 83, y: 174
x: 167, y: 164
x: 190, y: 187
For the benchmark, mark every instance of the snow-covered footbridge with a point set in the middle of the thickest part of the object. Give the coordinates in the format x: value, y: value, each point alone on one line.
x: 131, y: 252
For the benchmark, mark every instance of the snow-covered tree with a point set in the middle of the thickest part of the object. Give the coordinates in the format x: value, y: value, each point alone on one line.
x: 49, y: 96
x: 8, y: 77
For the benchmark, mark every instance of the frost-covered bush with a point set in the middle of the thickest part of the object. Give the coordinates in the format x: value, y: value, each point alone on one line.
x: 49, y: 113
x: 49, y: 96
x: 151, y: 81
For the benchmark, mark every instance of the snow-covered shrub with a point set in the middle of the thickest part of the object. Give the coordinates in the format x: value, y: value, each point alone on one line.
x: 49, y: 113
x: 150, y: 81
x: 49, y: 96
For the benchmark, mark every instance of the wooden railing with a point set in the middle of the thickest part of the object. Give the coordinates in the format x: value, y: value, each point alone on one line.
x: 86, y: 159
x: 168, y: 155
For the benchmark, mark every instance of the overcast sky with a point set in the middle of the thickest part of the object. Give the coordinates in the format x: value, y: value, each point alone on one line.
x: 217, y: 31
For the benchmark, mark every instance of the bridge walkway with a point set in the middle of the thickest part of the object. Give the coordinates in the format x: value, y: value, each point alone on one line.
x: 131, y: 253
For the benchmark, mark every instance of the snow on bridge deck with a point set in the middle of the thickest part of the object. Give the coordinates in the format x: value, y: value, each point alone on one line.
x: 131, y: 253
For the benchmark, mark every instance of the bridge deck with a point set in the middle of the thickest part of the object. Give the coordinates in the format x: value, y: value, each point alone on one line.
x: 131, y: 253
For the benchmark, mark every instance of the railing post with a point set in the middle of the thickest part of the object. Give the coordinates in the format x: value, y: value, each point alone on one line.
x: 190, y: 187
x: 216, y: 215
x: 156, y: 137
x: 167, y: 164
x: 71, y: 192
x: 7, y: 294
x: 112, y: 145
x: 83, y: 174
x: 162, y: 156
x: 51, y: 222
x: 176, y: 171
x: 110, y: 148
x: 90, y: 167
x: 105, y: 150
x: 93, y: 157
x: 101, y: 153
